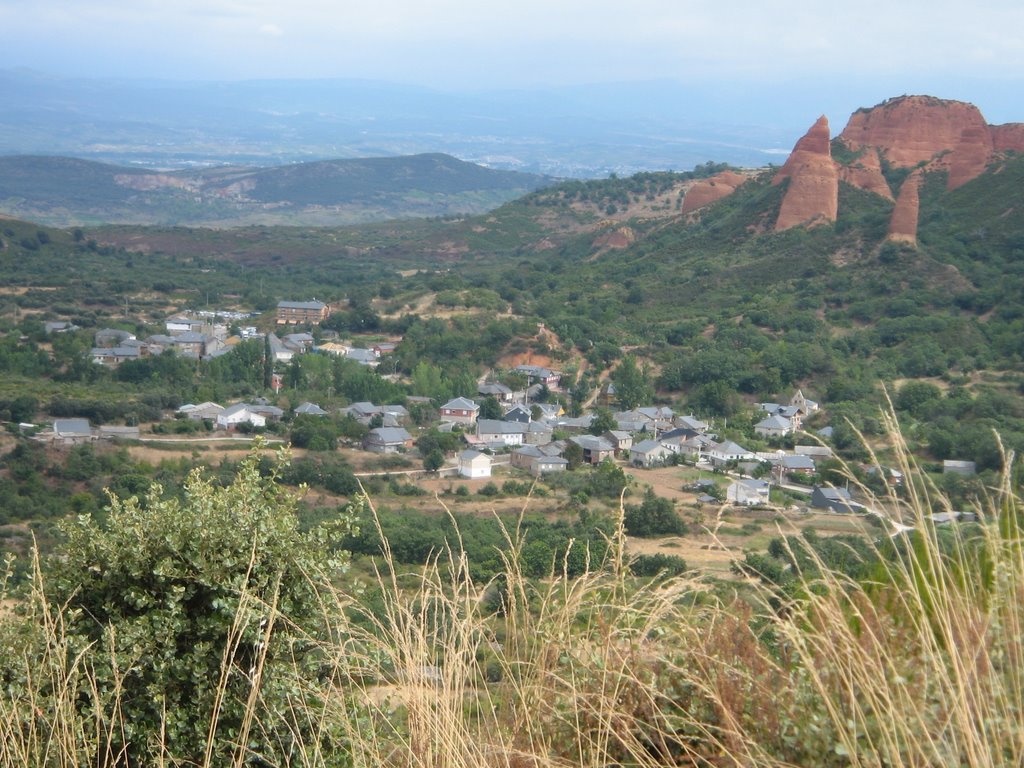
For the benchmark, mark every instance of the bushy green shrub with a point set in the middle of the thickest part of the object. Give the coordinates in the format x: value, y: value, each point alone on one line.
x: 195, y: 615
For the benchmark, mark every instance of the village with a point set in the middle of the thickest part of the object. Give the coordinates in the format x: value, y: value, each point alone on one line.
x: 499, y: 429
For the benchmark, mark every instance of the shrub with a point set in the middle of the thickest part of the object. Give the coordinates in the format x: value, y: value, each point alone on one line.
x: 654, y: 516
x: 195, y: 617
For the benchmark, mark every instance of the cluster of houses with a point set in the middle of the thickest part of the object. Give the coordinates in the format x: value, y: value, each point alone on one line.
x: 255, y: 414
x: 645, y: 437
x: 202, y: 336
x: 187, y: 336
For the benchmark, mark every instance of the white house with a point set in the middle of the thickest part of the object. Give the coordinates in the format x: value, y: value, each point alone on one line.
x: 505, y: 432
x: 649, y: 453
x: 720, y: 454
x: 774, y: 426
x: 239, y: 413
x: 747, y: 492
x: 474, y: 464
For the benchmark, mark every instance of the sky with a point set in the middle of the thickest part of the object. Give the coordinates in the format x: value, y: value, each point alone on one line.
x: 971, y: 51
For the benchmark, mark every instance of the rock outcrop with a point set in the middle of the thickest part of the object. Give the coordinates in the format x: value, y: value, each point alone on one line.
x: 866, y: 173
x: 903, y: 224
x: 970, y: 157
x: 620, y: 237
x: 813, y: 191
x: 912, y: 129
x: 1008, y: 137
x: 707, y: 191
x: 918, y: 132
x: 934, y: 133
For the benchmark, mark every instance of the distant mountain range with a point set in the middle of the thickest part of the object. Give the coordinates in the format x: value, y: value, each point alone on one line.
x: 581, y: 132
x: 63, y: 191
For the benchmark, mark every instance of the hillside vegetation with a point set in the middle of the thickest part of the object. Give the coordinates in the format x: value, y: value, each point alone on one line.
x: 67, y: 191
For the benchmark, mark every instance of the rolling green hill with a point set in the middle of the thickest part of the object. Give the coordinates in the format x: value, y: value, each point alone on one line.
x: 64, y: 191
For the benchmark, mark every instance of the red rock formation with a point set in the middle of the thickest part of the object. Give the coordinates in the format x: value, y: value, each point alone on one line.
x: 620, y: 237
x: 866, y: 173
x: 707, y: 191
x: 903, y: 224
x: 919, y: 132
x: 813, y: 192
x: 1008, y: 137
x: 970, y: 157
x: 912, y: 129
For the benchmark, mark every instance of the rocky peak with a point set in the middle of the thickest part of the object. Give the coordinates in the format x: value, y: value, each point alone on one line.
x: 912, y: 129
x: 813, y: 191
x: 903, y: 224
x: 937, y: 134
x: 919, y: 132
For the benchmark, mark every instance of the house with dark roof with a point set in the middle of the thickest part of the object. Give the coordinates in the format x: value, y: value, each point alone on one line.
x: 691, y: 422
x: 363, y: 356
x: 622, y: 440
x: 496, y: 432
x: 649, y: 453
x: 198, y: 412
x: 111, y: 357
x: 595, y: 449
x: 518, y: 413
x: 460, y: 410
x: 747, y: 492
x: 59, y: 326
x: 537, y: 374
x: 387, y: 440
x: 112, y: 337
x: 722, y: 453
x: 834, y: 499
x: 795, y: 464
x: 774, y: 426
x: 72, y: 431
x: 537, y: 461
x: 498, y: 391
x: 240, y: 413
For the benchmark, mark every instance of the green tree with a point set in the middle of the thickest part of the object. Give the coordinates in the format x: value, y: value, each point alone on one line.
x: 603, y: 422
x: 181, y: 605
x: 434, y: 460
x: 268, y: 363
x: 654, y: 516
x: 490, y: 408
x: 573, y: 453
x: 632, y: 386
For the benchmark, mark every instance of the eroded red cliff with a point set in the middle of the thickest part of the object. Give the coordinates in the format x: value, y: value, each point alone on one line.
x: 866, y: 173
x: 813, y: 191
x: 903, y: 224
x: 707, y: 191
x: 919, y: 132
x: 912, y: 129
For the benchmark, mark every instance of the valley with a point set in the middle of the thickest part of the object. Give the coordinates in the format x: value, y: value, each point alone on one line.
x: 685, y: 417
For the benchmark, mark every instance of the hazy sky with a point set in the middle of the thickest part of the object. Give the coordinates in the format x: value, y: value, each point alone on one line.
x: 897, y: 46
